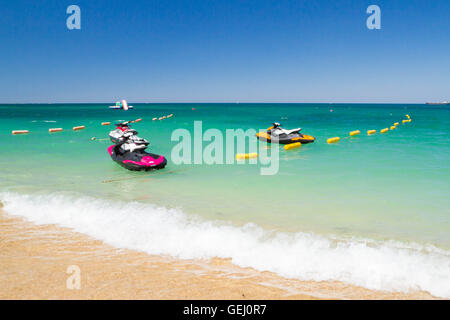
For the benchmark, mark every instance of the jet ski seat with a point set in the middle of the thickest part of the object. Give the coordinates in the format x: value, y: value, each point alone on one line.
x: 133, y: 147
x: 292, y: 130
x: 279, y: 131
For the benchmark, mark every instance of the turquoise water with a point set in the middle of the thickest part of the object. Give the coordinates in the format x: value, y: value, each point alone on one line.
x: 385, y: 188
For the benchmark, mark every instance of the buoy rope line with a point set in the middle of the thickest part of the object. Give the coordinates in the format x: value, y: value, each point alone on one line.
x: 78, y: 128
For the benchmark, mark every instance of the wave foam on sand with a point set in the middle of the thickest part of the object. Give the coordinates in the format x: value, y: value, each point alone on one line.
x: 376, y: 265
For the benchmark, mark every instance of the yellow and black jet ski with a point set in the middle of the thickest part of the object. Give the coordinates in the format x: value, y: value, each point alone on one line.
x: 277, y: 134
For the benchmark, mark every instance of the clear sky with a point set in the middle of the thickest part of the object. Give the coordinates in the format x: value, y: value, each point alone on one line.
x: 224, y: 50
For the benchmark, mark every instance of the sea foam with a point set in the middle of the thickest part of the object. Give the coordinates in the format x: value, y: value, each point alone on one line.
x: 379, y: 265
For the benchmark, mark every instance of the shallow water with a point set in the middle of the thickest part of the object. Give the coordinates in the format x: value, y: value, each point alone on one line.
x: 382, y: 197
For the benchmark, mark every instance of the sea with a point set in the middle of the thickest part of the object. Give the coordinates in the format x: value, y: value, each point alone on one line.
x: 369, y: 210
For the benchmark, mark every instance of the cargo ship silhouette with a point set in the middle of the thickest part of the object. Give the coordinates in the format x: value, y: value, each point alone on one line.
x: 439, y: 103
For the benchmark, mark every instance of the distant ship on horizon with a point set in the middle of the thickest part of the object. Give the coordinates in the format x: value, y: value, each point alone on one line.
x: 439, y: 103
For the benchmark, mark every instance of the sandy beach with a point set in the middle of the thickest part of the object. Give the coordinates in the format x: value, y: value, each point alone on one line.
x: 34, y: 261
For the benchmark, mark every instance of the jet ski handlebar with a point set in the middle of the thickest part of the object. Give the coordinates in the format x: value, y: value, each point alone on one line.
x: 123, y: 124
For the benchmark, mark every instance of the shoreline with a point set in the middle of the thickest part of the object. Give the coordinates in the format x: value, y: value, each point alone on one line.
x: 34, y: 261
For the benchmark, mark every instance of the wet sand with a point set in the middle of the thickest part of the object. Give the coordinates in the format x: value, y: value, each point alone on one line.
x: 34, y: 260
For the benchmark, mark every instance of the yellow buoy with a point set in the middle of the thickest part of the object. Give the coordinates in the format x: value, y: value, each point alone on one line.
x: 404, y: 121
x: 55, y: 130
x: 292, y: 146
x: 332, y: 140
x: 79, y: 128
x: 393, y: 127
x: 243, y: 156
x: 354, y: 133
x: 106, y: 123
x: 20, y: 132
x: 408, y: 116
x: 396, y: 124
x: 384, y: 130
x: 371, y: 131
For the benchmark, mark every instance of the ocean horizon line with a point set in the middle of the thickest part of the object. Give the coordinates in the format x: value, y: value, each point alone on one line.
x: 215, y: 102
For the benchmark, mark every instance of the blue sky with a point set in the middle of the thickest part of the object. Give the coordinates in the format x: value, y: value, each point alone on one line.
x: 227, y: 50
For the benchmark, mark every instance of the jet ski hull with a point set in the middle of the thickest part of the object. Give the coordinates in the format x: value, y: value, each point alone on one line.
x: 286, y: 138
x: 138, y: 160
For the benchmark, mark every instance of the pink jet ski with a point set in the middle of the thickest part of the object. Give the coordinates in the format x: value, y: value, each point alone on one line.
x: 129, y: 150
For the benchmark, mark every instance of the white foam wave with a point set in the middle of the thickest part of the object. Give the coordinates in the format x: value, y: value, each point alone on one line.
x: 387, y: 265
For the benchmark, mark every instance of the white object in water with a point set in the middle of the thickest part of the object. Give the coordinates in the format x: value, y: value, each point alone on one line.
x: 121, y: 105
